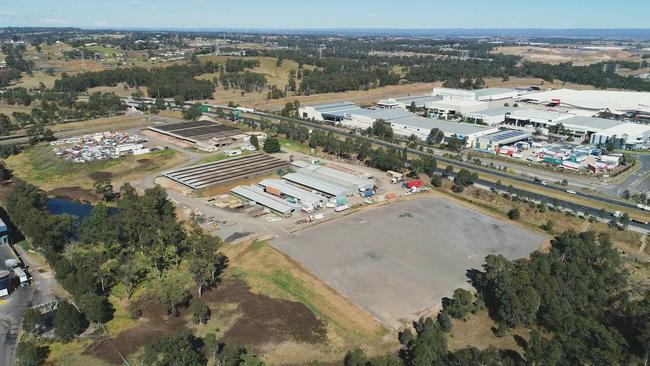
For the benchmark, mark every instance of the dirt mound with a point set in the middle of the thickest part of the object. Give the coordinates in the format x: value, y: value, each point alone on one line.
x: 266, y: 320
x: 74, y: 193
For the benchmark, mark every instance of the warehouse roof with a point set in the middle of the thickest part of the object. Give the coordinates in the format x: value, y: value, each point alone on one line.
x: 492, y: 91
x: 420, y: 100
x: 591, y: 123
x: 456, y: 103
x: 507, y: 136
x: 381, y: 113
x: 292, y: 191
x: 448, y: 127
x: 339, y: 177
x: 538, y: 114
x: 629, y: 129
x: 491, y: 112
x: 260, y: 197
x: 596, y: 99
x: 320, y: 185
x: 330, y: 107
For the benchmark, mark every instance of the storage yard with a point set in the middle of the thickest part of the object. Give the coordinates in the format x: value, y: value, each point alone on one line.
x: 100, y: 146
x: 220, y: 172
x: 398, y: 261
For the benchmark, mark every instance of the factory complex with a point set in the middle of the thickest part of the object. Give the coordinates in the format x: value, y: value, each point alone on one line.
x: 474, y: 114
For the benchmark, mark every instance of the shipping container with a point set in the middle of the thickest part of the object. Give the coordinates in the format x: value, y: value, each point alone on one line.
x: 341, y: 208
x: 340, y: 201
x: 414, y: 183
x: 551, y: 160
x: 5, y: 282
x: 272, y: 190
x: 368, y: 193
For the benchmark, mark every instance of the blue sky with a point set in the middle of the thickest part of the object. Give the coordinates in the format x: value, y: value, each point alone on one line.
x: 287, y: 14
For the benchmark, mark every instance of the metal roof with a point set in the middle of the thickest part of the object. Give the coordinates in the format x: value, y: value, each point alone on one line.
x: 492, y: 91
x: 334, y: 107
x: 260, y: 197
x: 420, y: 101
x: 448, y: 127
x: 293, y: 191
x: 320, y: 185
x: 492, y: 112
x: 339, y: 177
x: 506, y: 136
x: 591, y: 123
x: 382, y: 113
x: 538, y: 114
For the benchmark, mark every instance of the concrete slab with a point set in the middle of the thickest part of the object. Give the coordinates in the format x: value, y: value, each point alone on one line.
x: 399, y: 260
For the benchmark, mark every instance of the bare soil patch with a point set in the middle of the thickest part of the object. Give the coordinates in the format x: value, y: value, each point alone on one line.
x: 100, y: 176
x: 74, y: 193
x: 266, y: 319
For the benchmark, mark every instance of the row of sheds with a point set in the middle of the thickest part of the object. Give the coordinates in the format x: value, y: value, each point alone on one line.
x: 307, y: 189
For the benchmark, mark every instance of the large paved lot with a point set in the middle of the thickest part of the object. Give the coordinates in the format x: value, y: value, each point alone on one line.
x: 400, y: 260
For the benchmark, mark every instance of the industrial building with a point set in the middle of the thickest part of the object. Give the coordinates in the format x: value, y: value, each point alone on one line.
x: 481, y: 95
x: 338, y: 177
x: 490, y: 116
x: 421, y: 127
x: 493, y: 141
x: 308, y: 200
x: 328, y: 188
x: 257, y: 195
x: 363, y: 118
x: 333, y: 112
x: 617, y: 102
x: 407, y: 102
x: 624, y: 135
x: 220, y: 172
x: 449, y: 109
x: 535, y: 118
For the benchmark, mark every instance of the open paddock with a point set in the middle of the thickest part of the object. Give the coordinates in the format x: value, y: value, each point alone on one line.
x: 400, y: 260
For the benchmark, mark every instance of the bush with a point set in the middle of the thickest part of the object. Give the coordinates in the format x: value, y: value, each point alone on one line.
x: 436, y: 180
x: 514, y: 214
x: 68, y: 321
x: 200, y: 311
x: 458, y: 188
x: 444, y: 321
x: 29, y: 353
x: 271, y: 145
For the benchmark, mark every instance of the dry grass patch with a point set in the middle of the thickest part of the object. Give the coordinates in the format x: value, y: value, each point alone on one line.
x: 477, y: 331
x: 269, y: 272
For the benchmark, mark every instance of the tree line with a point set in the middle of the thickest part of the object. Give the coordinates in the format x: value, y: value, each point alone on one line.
x: 574, y: 302
x: 138, y: 240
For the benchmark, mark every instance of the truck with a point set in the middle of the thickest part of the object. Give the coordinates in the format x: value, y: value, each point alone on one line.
x: 341, y: 208
x: 22, y: 276
x: 367, y: 193
x: 414, y: 183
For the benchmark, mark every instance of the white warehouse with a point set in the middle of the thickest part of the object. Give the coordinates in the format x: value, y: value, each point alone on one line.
x: 625, y: 135
x: 421, y: 127
x: 481, y: 95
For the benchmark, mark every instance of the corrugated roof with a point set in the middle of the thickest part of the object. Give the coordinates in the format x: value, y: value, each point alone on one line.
x: 339, y: 177
x: 293, y: 191
x: 448, y: 127
x: 492, y: 112
x: 591, y: 123
x: 382, y: 113
x: 524, y: 114
x: 260, y: 197
x: 492, y: 91
x: 317, y: 184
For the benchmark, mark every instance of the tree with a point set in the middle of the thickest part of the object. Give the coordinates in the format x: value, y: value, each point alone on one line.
x: 444, y: 321
x: 173, y: 295
x: 435, y: 136
x: 272, y: 145
x: 460, y: 305
x: 180, y: 349
x: 436, y: 180
x: 465, y: 178
x: 429, y: 347
x: 514, y: 214
x: 200, y: 270
x: 131, y: 274
x: 68, y: 321
x: 255, y: 142
x: 200, y: 311
x: 32, y: 321
x: 193, y: 112
x: 96, y: 308
x: 105, y: 189
x: 29, y: 353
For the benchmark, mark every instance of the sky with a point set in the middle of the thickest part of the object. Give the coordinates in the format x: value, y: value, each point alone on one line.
x: 305, y: 14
